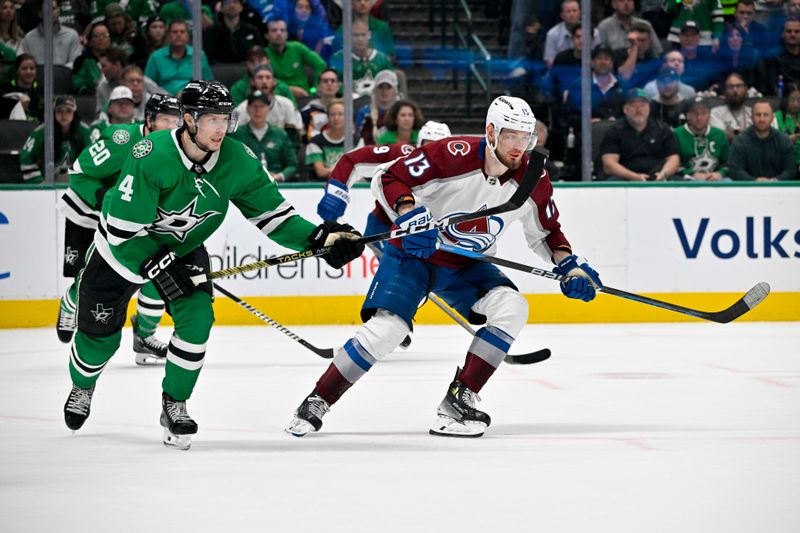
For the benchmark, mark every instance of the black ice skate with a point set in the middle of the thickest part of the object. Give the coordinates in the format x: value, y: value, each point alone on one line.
x: 178, y: 425
x: 308, y: 417
x: 148, y: 350
x: 76, y: 410
x: 457, y: 415
x: 65, y: 327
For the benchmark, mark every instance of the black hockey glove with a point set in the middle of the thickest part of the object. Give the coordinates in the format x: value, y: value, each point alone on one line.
x: 171, y: 275
x: 342, y: 240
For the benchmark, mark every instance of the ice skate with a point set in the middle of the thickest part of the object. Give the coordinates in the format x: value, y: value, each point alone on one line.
x: 308, y: 417
x: 149, y: 350
x: 76, y: 410
x: 457, y: 415
x: 65, y: 327
x: 178, y: 425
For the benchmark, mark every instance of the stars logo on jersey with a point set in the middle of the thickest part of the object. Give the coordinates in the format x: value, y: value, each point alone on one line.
x: 142, y: 148
x: 70, y: 256
x: 475, y: 235
x: 102, y: 314
x: 121, y: 137
x: 180, y: 223
x: 249, y: 151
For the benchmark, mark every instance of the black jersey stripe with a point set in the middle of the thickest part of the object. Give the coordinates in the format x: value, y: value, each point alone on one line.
x: 260, y: 225
x: 88, y: 214
x: 120, y: 233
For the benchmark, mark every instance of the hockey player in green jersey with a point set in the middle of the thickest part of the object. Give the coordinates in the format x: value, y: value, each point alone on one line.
x: 172, y: 194
x: 95, y: 171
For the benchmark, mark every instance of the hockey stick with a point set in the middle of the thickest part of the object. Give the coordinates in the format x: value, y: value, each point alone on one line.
x: 537, y: 356
x: 517, y: 200
x: 748, y: 301
x: 325, y: 353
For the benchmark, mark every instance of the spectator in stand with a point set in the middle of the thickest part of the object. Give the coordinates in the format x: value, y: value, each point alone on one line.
x: 370, y: 118
x: 282, y: 114
x: 142, y: 11
x: 141, y: 87
x: 700, y: 64
x: 736, y: 55
x: 270, y: 144
x: 118, y: 111
x: 307, y: 23
x: 254, y: 57
x: 325, y: 149
x: 567, y: 65
x: 614, y: 30
x: 403, y: 122
x: 674, y: 60
x: 638, y: 148
x: 289, y: 59
x: 171, y: 67
x: 607, y: 94
x: 382, y: 39
x: 707, y: 14
x: 775, y: 25
x: 112, y: 62
x: 761, y: 152
x: 636, y: 64
x: 66, y: 43
x: 73, y: 14
x: 154, y: 36
x: 181, y: 10
x: 559, y: 37
x: 785, y: 66
x: 121, y: 28
x: 733, y: 117
x: 653, y: 12
x: 787, y: 118
x: 752, y: 31
x: 668, y: 106
x: 71, y: 136
x: 10, y: 33
x: 703, y: 148
x: 315, y: 114
x: 24, y: 87
x: 367, y: 62
x: 86, y: 71
x: 228, y: 40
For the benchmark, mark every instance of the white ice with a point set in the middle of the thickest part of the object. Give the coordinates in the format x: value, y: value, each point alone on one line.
x: 627, y: 428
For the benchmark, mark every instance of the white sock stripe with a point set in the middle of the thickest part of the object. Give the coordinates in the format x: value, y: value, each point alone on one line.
x: 84, y: 368
x: 187, y: 346
x: 149, y: 312
x: 486, y: 351
x: 183, y: 363
x: 152, y: 301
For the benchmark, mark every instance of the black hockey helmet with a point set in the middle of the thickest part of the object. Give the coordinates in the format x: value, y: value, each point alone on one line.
x: 162, y: 103
x: 206, y: 96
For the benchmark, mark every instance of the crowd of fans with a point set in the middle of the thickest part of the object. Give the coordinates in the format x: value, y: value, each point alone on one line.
x: 698, y: 90
x: 702, y: 90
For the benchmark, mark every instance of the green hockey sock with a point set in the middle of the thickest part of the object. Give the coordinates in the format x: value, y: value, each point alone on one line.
x: 89, y: 356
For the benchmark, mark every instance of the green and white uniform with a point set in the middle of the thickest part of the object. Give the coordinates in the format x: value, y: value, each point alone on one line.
x: 31, y: 157
x: 707, y: 153
x: 322, y: 148
x: 272, y: 147
x: 97, y: 170
x: 163, y: 199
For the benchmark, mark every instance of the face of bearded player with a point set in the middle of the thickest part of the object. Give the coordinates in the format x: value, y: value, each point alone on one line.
x: 511, y: 145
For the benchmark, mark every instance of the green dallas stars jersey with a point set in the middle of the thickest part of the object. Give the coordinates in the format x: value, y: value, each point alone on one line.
x: 702, y: 154
x: 96, y: 169
x: 164, y: 199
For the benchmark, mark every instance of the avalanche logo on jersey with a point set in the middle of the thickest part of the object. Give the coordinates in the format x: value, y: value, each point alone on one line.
x: 475, y: 235
x: 179, y: 223
x: 458, y: 147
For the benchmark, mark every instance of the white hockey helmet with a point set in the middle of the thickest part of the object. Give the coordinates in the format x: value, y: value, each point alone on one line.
x: 512, y: 113
x: 432, y: 131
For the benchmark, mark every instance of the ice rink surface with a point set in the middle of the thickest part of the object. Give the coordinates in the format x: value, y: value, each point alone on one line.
x: 627, y: 428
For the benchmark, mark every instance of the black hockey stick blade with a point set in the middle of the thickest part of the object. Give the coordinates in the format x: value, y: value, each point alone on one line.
x: 528, y: 183
x: 752, y: 298
x: 528, y: 358
x: 325, y: 353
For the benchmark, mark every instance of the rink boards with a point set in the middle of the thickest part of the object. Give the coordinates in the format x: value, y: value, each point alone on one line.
x: 697, y: 246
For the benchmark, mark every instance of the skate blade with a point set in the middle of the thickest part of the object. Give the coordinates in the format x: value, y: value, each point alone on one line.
x: 148, y: 359
x: 450, y: 427
x: 179, y: 442
x: 299, y: 427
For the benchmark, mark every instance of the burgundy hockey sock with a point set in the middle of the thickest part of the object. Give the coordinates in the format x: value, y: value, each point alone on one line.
x: 476, y: 372
x: 332, y: 384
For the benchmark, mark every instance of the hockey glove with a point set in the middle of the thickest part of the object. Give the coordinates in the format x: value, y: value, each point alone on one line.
x: 170, y: 277
x: 583, y: 278
x: 335, y: 201
x: 424, y: 243
x: 342, y: 238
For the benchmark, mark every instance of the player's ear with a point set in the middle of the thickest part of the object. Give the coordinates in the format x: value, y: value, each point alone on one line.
x: 490, y: 134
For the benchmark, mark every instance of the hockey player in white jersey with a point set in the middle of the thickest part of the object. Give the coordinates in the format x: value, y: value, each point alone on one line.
x: 439, y: 180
